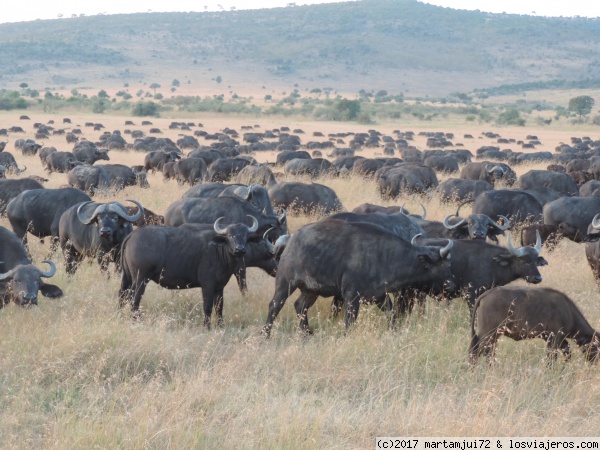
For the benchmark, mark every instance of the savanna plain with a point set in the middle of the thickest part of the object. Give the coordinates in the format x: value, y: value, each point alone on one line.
x: 77, y: 372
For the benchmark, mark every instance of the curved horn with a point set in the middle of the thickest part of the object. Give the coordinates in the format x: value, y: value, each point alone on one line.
x: 270, y: 246
x: 84, y: 220
x: 538, y: 242
x: 424, y: 211
x: 22, y: 170
x: 220, y: 231
x: 242, y: 192
x: 445, y: 251
x: 9, y: 274
x: 254, y: 226
x: 456, y: 225
x: 50, y: 273
x: 596, y: 221
x: 463, y: 204
x: 282, y: 217
x: 488, y: 169
x: 518, y: 252
x: 120, y: 210
x: 413, y: 241
x: 502, y: 227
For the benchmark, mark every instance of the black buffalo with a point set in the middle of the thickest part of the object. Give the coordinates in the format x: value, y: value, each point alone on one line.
x: 576, y: 212
x: 190, y: 170
x: 9, y: 189
x: 120, y: 176
x: 10, y: 164
x: 38, y: 211
x: 261, y: 174
x: 224, y: 169
x: 560, y: 182
x: 305, y: 198
x: 479, y: 266
x: 184, y: 258
x: 155, y: 160
x: 353, y: 261
x: 458, y: 189
x: 88, y: 153
x: 95, y: 230
x: 20, y: 281
x: 527, y: 313
x: 313, y: 168
x: 232, y: 208
x: 488, y: 171
x: 61, y: 162
x: 518, y: 206
x: 90, y: 179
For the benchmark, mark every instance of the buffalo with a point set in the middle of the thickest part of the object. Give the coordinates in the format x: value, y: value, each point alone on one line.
x: 20, y: 281
x: 353, y: 261
x: 38, y: 211
x: 184, y: 258
x: 527, y: 313
x: 95, y: 230
x: 305, y: 198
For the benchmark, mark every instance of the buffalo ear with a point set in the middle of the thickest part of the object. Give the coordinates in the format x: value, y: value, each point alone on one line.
x: 503, y: 260
x: 541, y: 262
x: 50, y: 290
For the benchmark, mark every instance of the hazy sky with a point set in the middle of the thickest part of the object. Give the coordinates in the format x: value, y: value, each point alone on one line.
x: 25, y: 10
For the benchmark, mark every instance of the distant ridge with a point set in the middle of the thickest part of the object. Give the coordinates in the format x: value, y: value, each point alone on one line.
x: 403, y: 46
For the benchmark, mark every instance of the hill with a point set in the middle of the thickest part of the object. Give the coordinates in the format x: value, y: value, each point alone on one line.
x: 403, y: 46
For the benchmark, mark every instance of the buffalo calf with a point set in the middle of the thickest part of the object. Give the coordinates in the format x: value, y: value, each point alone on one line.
x: 527, y: 313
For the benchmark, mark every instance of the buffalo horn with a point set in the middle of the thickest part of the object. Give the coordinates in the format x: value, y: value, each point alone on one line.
x: 445, y: 251
x: 220, y: 231
x: 596, y: 221
x: 282, y: 217
x: 270, y: 246
x: 120, y: 210
x: 461, y: 205
x: 538, y: 242
x: 413, y: 241
x: 50, y: 273
x: 254, y: 226
x: 9, y: 274
x: 502, y: 227
x: 424, y: 211
x: 82, y: 218
x: 490, y: 170
x: 22, y: 170
x: 456, y: 225
x: 243, y: 192
x: 518, y: 252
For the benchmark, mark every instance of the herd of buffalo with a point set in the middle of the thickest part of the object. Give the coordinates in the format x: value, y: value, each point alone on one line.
x: 234, y: 216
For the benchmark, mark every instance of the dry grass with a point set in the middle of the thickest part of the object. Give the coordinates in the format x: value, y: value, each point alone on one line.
x: 75, y: 373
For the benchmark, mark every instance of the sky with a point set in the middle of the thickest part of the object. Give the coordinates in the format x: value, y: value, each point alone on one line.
x: 26, y: 10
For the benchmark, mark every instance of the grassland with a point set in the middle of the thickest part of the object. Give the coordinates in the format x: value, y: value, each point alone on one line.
x: 77, y: 373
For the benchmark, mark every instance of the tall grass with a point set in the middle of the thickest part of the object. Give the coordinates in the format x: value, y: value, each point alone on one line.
x: 76, y: 372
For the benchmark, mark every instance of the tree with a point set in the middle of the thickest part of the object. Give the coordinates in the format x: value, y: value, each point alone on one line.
x: 218, y: 79
x: 23, y: 85
x: 175, y: 82
x: 142, y: 108
x: 154, y: 86
x: 349, y: 109
x: 581, y: 105
x: 102, y: 94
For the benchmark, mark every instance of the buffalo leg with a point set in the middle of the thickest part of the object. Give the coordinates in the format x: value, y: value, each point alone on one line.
x: 352, y: 303
x: 302, y: 305
x: 219, y: 307
x: 72, y: 258
x: 208, y: 301
x: 336, y: 306
x: 282, y: 291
